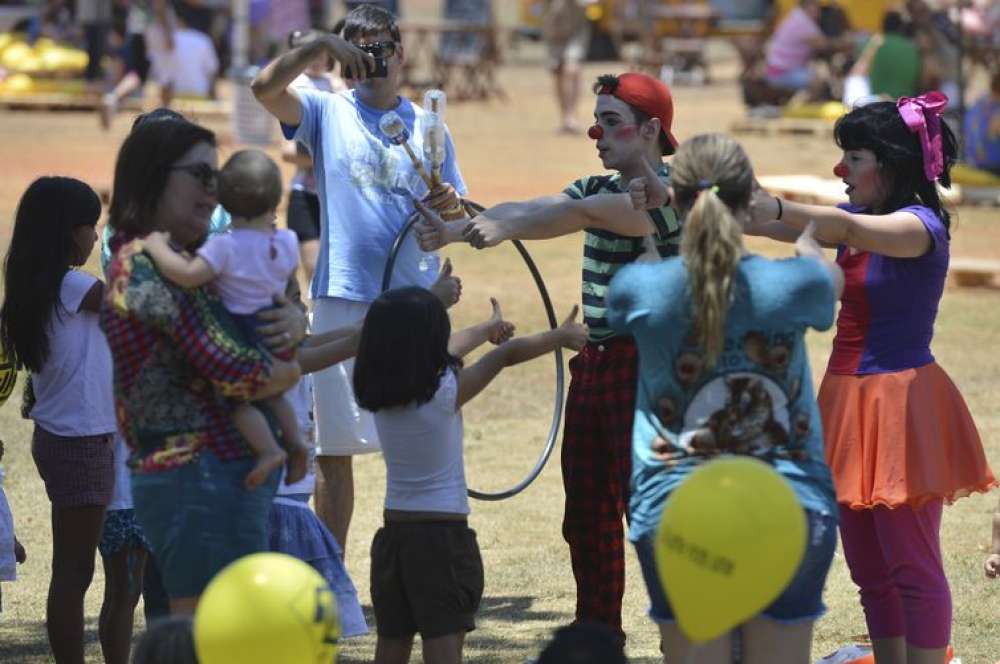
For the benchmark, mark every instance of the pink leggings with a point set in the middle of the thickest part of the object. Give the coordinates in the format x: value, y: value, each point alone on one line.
x: 895, y: 559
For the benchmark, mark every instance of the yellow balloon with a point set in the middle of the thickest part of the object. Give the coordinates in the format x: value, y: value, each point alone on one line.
x: 731, y: 538
x: 8, y: 376
x: 266, y: 608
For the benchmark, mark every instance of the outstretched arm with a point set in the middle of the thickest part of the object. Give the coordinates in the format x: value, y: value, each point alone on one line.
x: 898, y: 234
x: 495, y: 330
x: 807, y: 245
x: 537, y: 219
x: 324, y: 350
x: 181, y: 270
x: 472, y: 380
x: 555, y: 216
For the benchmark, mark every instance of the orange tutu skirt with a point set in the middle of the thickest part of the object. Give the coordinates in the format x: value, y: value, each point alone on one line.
x: 900, y: 438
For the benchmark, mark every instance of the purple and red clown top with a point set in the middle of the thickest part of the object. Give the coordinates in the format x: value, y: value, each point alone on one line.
x: 889, y: 305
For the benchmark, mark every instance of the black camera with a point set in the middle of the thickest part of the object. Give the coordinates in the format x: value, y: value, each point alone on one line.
x: 381, y: 68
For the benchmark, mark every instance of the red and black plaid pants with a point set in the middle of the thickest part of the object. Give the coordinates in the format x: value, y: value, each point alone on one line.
x: 597, y: 467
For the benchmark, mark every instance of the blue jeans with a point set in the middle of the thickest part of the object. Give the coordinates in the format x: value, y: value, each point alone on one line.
x: 802, y: 599
x: 199, y: 517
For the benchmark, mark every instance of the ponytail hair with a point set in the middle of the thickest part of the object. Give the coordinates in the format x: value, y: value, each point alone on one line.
x: 712, y: 179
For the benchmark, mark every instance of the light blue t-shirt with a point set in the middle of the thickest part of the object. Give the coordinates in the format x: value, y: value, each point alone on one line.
x: 757, y: 399
x: 218, y: 223
x: 366, y: 188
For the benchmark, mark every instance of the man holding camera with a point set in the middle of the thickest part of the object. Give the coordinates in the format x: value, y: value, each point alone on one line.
x: 366, y: 187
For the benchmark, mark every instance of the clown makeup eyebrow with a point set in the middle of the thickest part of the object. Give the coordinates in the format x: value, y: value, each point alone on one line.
x: 608, y: 115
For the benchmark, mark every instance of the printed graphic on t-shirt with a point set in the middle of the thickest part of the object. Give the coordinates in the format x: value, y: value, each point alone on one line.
x: 379, y: 173
x: 747, y: 404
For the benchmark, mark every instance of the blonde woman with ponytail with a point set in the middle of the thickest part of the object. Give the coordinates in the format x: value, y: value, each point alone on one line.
x: 723, y: 370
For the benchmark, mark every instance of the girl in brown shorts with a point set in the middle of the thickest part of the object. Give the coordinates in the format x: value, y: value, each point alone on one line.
x: 426, y: 570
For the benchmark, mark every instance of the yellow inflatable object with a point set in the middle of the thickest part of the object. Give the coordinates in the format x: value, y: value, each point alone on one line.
x: 267, y: 608
x: 45, y: 56
x: 969, y: 176
x: 8, y: 377
x: 730, y: 539
x: 18, y: 84
x: 830, y: 110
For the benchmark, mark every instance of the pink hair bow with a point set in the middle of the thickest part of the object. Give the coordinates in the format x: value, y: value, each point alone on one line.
x: 922, y: 116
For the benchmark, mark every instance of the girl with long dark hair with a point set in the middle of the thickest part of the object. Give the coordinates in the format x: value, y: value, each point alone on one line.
x: 49, y: 325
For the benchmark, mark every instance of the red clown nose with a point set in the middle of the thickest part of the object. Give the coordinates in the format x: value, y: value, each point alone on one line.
x: 596, y: 132
x: 840, y: 170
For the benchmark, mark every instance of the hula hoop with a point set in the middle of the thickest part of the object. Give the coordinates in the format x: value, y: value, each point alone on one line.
x: 473, y: 209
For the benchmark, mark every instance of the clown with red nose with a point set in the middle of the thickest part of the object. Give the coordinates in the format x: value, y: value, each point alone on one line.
x: 632, y: 132
x: 899, y: 438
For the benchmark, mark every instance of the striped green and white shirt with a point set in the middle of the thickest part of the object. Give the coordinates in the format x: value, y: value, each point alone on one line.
x: 604, y: 252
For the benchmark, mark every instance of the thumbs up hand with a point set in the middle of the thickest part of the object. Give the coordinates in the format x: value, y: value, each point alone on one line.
x: 648, y: 192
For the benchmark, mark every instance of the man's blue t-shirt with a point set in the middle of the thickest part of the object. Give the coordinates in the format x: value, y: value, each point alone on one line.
x: 757, y: 399
x: 366, y: 186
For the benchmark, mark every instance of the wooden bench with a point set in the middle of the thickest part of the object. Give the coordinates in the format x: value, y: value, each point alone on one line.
x: 974, y: 271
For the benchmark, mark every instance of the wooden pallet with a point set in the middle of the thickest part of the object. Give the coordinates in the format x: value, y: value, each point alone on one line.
x: 783, y: 126
x: 974, y: 271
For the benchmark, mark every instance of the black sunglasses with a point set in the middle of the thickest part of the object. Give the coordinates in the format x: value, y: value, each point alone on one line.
x: 380, y: 49
x: 205, y: 174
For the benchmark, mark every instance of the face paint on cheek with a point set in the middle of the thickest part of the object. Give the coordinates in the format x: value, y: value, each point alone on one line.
x: 870, y: 178
x: 596, y: 132
x: 625, y: 133
x: 840, y: 170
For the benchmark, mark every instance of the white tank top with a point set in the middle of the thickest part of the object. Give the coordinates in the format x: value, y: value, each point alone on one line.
x: 422, y: 447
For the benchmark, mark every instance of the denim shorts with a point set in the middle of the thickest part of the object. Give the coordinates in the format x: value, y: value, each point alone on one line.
x: 802, y: 599
x: 199, y: 517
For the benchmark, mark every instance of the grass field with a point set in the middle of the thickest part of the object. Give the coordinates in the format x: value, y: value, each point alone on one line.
x: 510, y: 151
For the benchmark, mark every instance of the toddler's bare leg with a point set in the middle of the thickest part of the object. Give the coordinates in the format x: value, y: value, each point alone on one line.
x: 253, y: 425
x: 298, y: 453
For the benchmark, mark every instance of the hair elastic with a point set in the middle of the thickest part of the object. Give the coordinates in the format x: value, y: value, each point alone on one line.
x: 706, y: 184
x: 781, y: 209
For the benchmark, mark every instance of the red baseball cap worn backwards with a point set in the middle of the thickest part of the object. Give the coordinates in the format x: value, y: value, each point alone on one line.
x: 649, y: 95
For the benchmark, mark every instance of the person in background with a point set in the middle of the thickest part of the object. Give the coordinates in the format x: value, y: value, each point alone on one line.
x: 95, y: 17
x: 982, y: 129
x: 195, y: 62
x: 937, y: 38
x: 567, y: 33
x: 795, y: 43
x: 149, y: 46
x: 392, y: 6
x: 895, y: 69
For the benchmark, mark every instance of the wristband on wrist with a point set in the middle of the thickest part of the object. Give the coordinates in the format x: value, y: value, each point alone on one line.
x: 781, y: 209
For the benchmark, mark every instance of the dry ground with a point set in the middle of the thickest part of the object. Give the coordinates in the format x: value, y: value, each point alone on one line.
x: 510, y: 151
